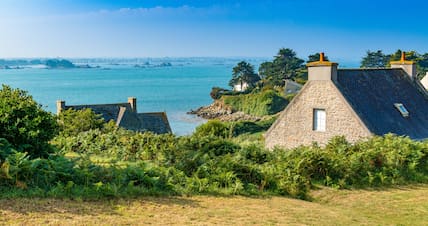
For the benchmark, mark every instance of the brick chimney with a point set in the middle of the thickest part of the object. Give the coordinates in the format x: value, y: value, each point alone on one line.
x: 322, y: 70
x: 133, y: 102
x: 60, y: 105
x: 407, y: 65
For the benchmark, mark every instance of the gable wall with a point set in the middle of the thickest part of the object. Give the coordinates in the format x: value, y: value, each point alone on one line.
x: 294, y: 126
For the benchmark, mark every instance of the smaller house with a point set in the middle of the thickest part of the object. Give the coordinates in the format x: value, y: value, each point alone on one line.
x: 424, y: 81
x: 240, y: 87
x: 125, y: 115
x: 291, y: 87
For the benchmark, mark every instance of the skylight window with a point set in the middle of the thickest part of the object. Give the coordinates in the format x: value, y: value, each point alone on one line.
x: 400, y: 107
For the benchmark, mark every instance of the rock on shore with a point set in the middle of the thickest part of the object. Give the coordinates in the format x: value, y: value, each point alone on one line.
x: 218, y: 110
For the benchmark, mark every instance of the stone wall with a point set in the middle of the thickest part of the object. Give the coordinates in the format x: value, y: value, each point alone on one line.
x: 294, y: 127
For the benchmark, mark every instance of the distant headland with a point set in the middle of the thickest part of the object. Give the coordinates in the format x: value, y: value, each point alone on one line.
x: 40, y: 63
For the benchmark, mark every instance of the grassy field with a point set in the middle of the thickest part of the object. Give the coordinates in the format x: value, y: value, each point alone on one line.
x: 406, y: 205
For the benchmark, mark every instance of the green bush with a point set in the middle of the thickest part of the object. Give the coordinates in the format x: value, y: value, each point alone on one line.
x: 217, y: 92
x: 72, y: 122
x: 267, y: 102
x: 213, y: 128
x: 24, y: 123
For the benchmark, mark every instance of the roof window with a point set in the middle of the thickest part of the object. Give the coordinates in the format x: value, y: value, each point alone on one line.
x: 400, y: 107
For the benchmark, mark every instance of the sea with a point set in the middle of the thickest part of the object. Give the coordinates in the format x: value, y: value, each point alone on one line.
x: 172, y: 85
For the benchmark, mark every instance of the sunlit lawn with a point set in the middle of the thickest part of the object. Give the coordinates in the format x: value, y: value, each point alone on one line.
x: 406, y: 205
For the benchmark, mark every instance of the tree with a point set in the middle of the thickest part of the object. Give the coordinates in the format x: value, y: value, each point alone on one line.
x: 284, y: 66
x: 375, y: 59
x: 23, y: 122
x: 243, y: 72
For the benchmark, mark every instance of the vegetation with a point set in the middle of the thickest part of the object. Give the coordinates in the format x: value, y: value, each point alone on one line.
x: 286, y: 65
x: 24, y: 124
x: 244, y: 73
x: 103, y: 163
x: 265, y: 102
x: 72, y: 122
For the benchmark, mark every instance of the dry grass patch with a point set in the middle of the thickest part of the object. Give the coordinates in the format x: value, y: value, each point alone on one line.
x: 402, y: 205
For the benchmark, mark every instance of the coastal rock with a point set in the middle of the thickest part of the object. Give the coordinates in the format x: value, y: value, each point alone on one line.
x: 218, y: 110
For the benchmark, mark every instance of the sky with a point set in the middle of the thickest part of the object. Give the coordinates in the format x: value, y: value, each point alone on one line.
x: 343, y: 29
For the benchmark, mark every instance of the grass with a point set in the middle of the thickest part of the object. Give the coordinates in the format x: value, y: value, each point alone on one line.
x: 404, y: 205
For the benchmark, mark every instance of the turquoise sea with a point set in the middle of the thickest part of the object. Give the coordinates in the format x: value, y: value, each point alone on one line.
x: 174, y: 89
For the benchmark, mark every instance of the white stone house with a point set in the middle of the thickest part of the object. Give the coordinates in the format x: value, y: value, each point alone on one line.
x: 240, y: 86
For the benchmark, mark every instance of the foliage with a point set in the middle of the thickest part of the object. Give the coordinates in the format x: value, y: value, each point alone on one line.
x: 243, y: 72
x: 266, y: 102
x: 286, y: 65
x: 24, y: 123
x: 217, y: 92
x: 5, y: 149
x: 213, y: 128
x: 375, y: 59
x: 72, y: 122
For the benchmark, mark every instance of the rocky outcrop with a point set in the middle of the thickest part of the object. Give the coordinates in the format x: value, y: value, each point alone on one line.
x: 219, y: 110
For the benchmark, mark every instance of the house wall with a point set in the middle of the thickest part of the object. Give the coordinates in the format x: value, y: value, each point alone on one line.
x: 424, y: 81
x: 294, y: 127
x: 240, y: 87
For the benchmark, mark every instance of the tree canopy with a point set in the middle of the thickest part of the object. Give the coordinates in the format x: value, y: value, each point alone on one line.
x: 243, y: 72
x: 284, y: 66
x: 375, y: 59
x: 23, y: 122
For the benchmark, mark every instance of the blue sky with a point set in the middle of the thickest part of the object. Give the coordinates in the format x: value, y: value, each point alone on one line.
x: 147, y: 28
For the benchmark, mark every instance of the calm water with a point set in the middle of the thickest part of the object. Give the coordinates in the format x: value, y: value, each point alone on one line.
x: 176, y: 89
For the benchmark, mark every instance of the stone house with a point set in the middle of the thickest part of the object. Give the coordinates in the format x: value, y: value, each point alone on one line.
x: 125, y: 115
x: 355, y: 103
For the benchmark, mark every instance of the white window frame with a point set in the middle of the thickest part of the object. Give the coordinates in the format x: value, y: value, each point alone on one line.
x: 403, y: 110
x: 319, y: 120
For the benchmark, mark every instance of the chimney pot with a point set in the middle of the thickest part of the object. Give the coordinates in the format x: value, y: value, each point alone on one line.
x: 321, y: 56
x: 403, y: 56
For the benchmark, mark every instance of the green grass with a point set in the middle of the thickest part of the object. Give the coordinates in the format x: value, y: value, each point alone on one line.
x: 403, y: 205
x: 263, y: 103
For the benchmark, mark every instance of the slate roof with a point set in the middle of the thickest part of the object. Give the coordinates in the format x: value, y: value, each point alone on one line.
x: 372, y: 94
x: 291, y: 87
x: 124, y: 116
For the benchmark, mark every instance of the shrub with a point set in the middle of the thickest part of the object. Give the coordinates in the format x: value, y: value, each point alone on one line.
x: 213, y: 128
x: 217, y: 92
x: 267, y: 102
x: 24, y: 123
x: 72, y: 122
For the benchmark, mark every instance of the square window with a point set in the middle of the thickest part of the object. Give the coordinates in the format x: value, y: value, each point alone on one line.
x: 319, y: 120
